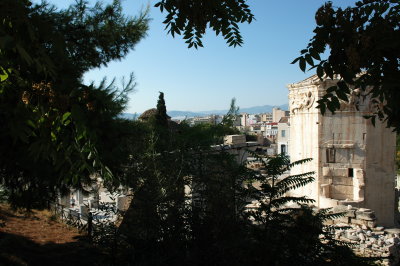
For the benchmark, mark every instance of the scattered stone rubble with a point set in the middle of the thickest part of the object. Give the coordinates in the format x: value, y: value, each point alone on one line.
x: 358, y: 227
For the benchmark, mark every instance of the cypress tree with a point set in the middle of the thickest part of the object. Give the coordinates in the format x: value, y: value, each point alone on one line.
x: 161, y: 117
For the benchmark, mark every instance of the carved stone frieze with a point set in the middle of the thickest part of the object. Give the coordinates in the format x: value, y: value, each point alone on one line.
x: 301, y: 100
x: 354, y: 101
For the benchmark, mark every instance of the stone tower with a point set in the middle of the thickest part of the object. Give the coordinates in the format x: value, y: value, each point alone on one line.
x: 353, y: 161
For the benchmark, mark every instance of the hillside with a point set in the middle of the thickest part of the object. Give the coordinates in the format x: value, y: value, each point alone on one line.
x: 249, y: 110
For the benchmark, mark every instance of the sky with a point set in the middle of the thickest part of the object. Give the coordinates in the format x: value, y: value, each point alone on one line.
x: 208, y: 78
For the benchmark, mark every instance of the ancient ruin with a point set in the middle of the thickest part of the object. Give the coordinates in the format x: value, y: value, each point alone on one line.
x: 353, y: 160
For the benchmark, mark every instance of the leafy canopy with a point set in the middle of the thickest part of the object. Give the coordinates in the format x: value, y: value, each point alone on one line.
x: 191, y: 18
x: 55, y: 128
x: 364, y: 52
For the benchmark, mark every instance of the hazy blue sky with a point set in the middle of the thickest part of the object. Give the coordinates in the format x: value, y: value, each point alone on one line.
x: 207, y: 79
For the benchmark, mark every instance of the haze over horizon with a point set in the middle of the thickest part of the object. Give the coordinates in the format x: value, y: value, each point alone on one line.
x: 255, y: 74
x: 249, y: 109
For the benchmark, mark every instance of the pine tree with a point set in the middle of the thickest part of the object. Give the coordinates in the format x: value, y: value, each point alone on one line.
x: 55, y: 128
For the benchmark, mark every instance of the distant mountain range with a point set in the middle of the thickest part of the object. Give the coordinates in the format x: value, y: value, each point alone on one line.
x: 249, y: 110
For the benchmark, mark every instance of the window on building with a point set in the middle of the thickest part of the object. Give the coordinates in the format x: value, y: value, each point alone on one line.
x: 351, y: 172
x: 283, y: 133
x: 330, y: 155
x: 283, y: 149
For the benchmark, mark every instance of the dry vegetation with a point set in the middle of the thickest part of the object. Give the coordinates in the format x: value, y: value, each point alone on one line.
x: 37, y: 238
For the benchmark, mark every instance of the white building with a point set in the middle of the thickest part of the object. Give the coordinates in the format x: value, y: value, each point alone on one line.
x: 211, y: 119
x: 353, y: 161
x: 266, y: 117
x: 277, y: 114
x: 282, y: 138
x: 271, y: 130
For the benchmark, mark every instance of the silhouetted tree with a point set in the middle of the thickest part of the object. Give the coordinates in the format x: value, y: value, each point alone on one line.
x: 364, y: 50
x: 191, y: 18
x: 55, y: 129
x: 161, y: 116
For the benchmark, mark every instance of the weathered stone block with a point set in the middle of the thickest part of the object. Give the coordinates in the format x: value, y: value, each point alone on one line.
x: 326, y: 171
x: 339, y: 208
x: 342, y: 189
x: 123, y: 203
x: 353, y: 237
x: 343, y: 219
x: 234, y: 139
x: 364, y: 227
x: 351, y: 213
x: 347, y: 181
x: 358, y: 221
x: 340, y: 172
x: 371, y: 224
x: 365, y: 215
x: 392, y: 230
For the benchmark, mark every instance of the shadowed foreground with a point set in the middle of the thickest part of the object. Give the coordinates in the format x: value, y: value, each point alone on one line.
x: 36, y: 239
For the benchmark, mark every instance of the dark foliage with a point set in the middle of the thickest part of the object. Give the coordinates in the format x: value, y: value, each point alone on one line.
x: 161, y: 116
x: 54, y: 128
x: 191, y: 18
x: 190, y: 207
x: 209, y: 223
x: 364, y: 51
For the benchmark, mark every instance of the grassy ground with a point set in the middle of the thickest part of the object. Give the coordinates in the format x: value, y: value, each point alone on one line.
x: 38, y: 239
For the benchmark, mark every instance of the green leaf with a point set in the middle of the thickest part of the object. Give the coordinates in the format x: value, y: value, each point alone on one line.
x: 53, y: 136
x: 331, y: 89
x: 65, y: 116
x: 335, y: 102
x: 328, y: 70
x: 321, y: 106
x: 302, y: 64
x: 331, y: 106
x: 343, y: 87
x: 320, y: 71
x: 342, y: 95
x: 309, y: 59
x: 297, y: 59
x: 4, y: 75
x: 315, y: 55
x: 30, y: 123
